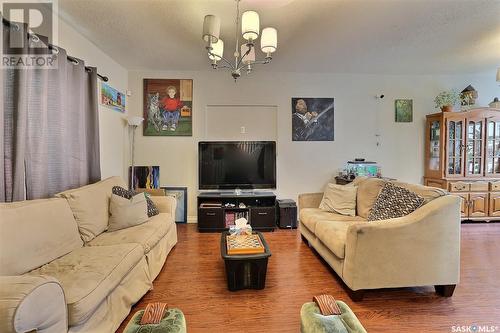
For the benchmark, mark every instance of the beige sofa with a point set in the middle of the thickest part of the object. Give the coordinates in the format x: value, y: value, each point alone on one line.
x: 420, y: 249
x: 60, y: 271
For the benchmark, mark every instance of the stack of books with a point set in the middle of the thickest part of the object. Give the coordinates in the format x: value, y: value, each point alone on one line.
x: 230, y: 218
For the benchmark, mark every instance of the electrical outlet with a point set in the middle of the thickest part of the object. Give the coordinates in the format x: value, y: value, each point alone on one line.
x: 243, y: 130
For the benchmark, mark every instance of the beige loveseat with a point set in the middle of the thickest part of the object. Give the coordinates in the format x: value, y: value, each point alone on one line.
x: 60, y: 271
x: 420, y: 249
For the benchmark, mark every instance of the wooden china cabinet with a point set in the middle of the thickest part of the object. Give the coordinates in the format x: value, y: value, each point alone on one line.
x: 462, y: 155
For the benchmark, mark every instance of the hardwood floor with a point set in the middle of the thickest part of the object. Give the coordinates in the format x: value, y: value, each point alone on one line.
x: 193, y: 279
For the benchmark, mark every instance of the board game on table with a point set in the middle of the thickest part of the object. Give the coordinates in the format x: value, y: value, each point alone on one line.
x: 244, y: 244
x: 245, y: 271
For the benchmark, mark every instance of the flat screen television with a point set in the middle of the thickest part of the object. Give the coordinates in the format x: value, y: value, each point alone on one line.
x: 237, y: 165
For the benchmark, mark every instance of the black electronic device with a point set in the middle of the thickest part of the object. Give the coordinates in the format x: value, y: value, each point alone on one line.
x: 286, y: 210
x: 237, y: 165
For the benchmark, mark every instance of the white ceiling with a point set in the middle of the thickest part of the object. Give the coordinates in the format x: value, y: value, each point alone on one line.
x: 350, y: 36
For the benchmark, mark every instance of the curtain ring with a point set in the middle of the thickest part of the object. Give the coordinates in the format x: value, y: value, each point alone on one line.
x: 15, y: 26
x: 35, y: 38
x: 75, y: 62
x: 55, y: 49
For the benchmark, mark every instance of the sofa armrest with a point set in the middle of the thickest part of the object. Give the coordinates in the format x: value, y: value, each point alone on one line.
x: 310, y: 200
x: 30, y: 303
x: 165, y: 204
x: 422, y: 248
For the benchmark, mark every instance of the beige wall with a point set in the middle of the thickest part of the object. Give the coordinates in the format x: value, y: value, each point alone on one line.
x: 111, y: 123
x: 240, y: 122
x: 307, y: 166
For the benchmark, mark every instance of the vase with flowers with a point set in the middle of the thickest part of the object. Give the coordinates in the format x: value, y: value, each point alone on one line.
x: 446, y: 100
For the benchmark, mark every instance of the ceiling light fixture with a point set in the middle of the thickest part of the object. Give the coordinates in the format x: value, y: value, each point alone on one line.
x: 244, y: 57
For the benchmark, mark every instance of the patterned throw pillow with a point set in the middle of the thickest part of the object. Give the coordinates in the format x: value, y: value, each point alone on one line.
x: 394, y: 201
x: 152, y: 210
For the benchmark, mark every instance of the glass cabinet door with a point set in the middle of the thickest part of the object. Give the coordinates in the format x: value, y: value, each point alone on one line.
x: 474, y: 153
x: 493, y: 147
x: 434, y: 145
x: 454, y: 151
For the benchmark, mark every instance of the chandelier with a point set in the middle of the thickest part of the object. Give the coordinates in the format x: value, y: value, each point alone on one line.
x: 244, y: 56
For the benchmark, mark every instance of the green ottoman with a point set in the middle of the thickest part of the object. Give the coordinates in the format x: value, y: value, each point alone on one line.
x: 312, y: 321
x: 173, y: 322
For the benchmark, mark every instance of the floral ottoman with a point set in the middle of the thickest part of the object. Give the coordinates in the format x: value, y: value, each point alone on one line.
x: 173, y: 321
x: 312, y: 321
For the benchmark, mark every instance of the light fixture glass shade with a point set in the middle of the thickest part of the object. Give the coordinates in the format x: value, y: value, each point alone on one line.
x: 269, y: 40
x: 217, y: 50
x: 250, y: 57
x: 250, y: 25
x: 498, y: 75
x: 135, y: 121
x: 211, y: 28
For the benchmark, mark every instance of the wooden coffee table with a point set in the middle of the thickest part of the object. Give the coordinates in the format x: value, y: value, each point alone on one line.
x: 245, y: 271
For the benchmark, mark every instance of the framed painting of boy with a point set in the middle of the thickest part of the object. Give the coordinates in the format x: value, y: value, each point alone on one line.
x: 168, y: 107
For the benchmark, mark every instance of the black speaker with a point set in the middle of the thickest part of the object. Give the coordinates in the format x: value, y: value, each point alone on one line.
x: 286, y: 209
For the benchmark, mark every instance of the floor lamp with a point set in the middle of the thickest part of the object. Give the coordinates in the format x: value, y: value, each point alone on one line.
x: 133, y: 123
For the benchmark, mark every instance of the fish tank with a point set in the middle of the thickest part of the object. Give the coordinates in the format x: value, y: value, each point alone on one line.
x: 360, y: 167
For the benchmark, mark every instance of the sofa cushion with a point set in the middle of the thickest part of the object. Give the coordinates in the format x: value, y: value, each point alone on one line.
x: 368, y: 190
x: 340, y: 199
x: 35, y: 232
x: 333, y: 235
x: 89, y: 274
x: 147, y: 234
x: 90, y: 206
x: 393, y: 202
x: 311, y: 216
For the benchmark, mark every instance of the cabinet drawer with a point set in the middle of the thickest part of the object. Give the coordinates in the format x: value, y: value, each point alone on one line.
x: 210, y: 218
x: 479, y: 186
x: 263, y: 217
x: 435, y: 183
x: 459, y: 187
x: 495, y: 186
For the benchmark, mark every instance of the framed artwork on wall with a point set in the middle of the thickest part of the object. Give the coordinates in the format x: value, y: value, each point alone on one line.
x: 180, y: 194
x: 312, y: 119
x: 403, y: 109
x: 168, y: 107
x: 145, y: 177
x: 112, y: 98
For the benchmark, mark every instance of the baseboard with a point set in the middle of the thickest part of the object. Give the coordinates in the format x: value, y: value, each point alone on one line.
x: 192, y: 219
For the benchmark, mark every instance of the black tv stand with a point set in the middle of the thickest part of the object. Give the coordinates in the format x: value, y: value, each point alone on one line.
x: 259, y: 209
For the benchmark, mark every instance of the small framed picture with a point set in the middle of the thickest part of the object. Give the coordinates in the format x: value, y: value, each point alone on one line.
x: 144, y: 177
x: 180, y: 194
x: 403, y: 109
x: 112, y: 98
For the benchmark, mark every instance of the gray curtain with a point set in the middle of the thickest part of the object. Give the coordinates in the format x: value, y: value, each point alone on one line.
x: 51, y: 129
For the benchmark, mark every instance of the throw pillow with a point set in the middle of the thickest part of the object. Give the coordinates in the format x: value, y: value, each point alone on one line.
x: 368, y: 191
x: 394, y: 201
x: 152, y: 210
x: 340, y: 199
x: 125, y: 213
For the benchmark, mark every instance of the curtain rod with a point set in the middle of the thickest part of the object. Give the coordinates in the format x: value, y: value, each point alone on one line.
x: 53, y: 47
